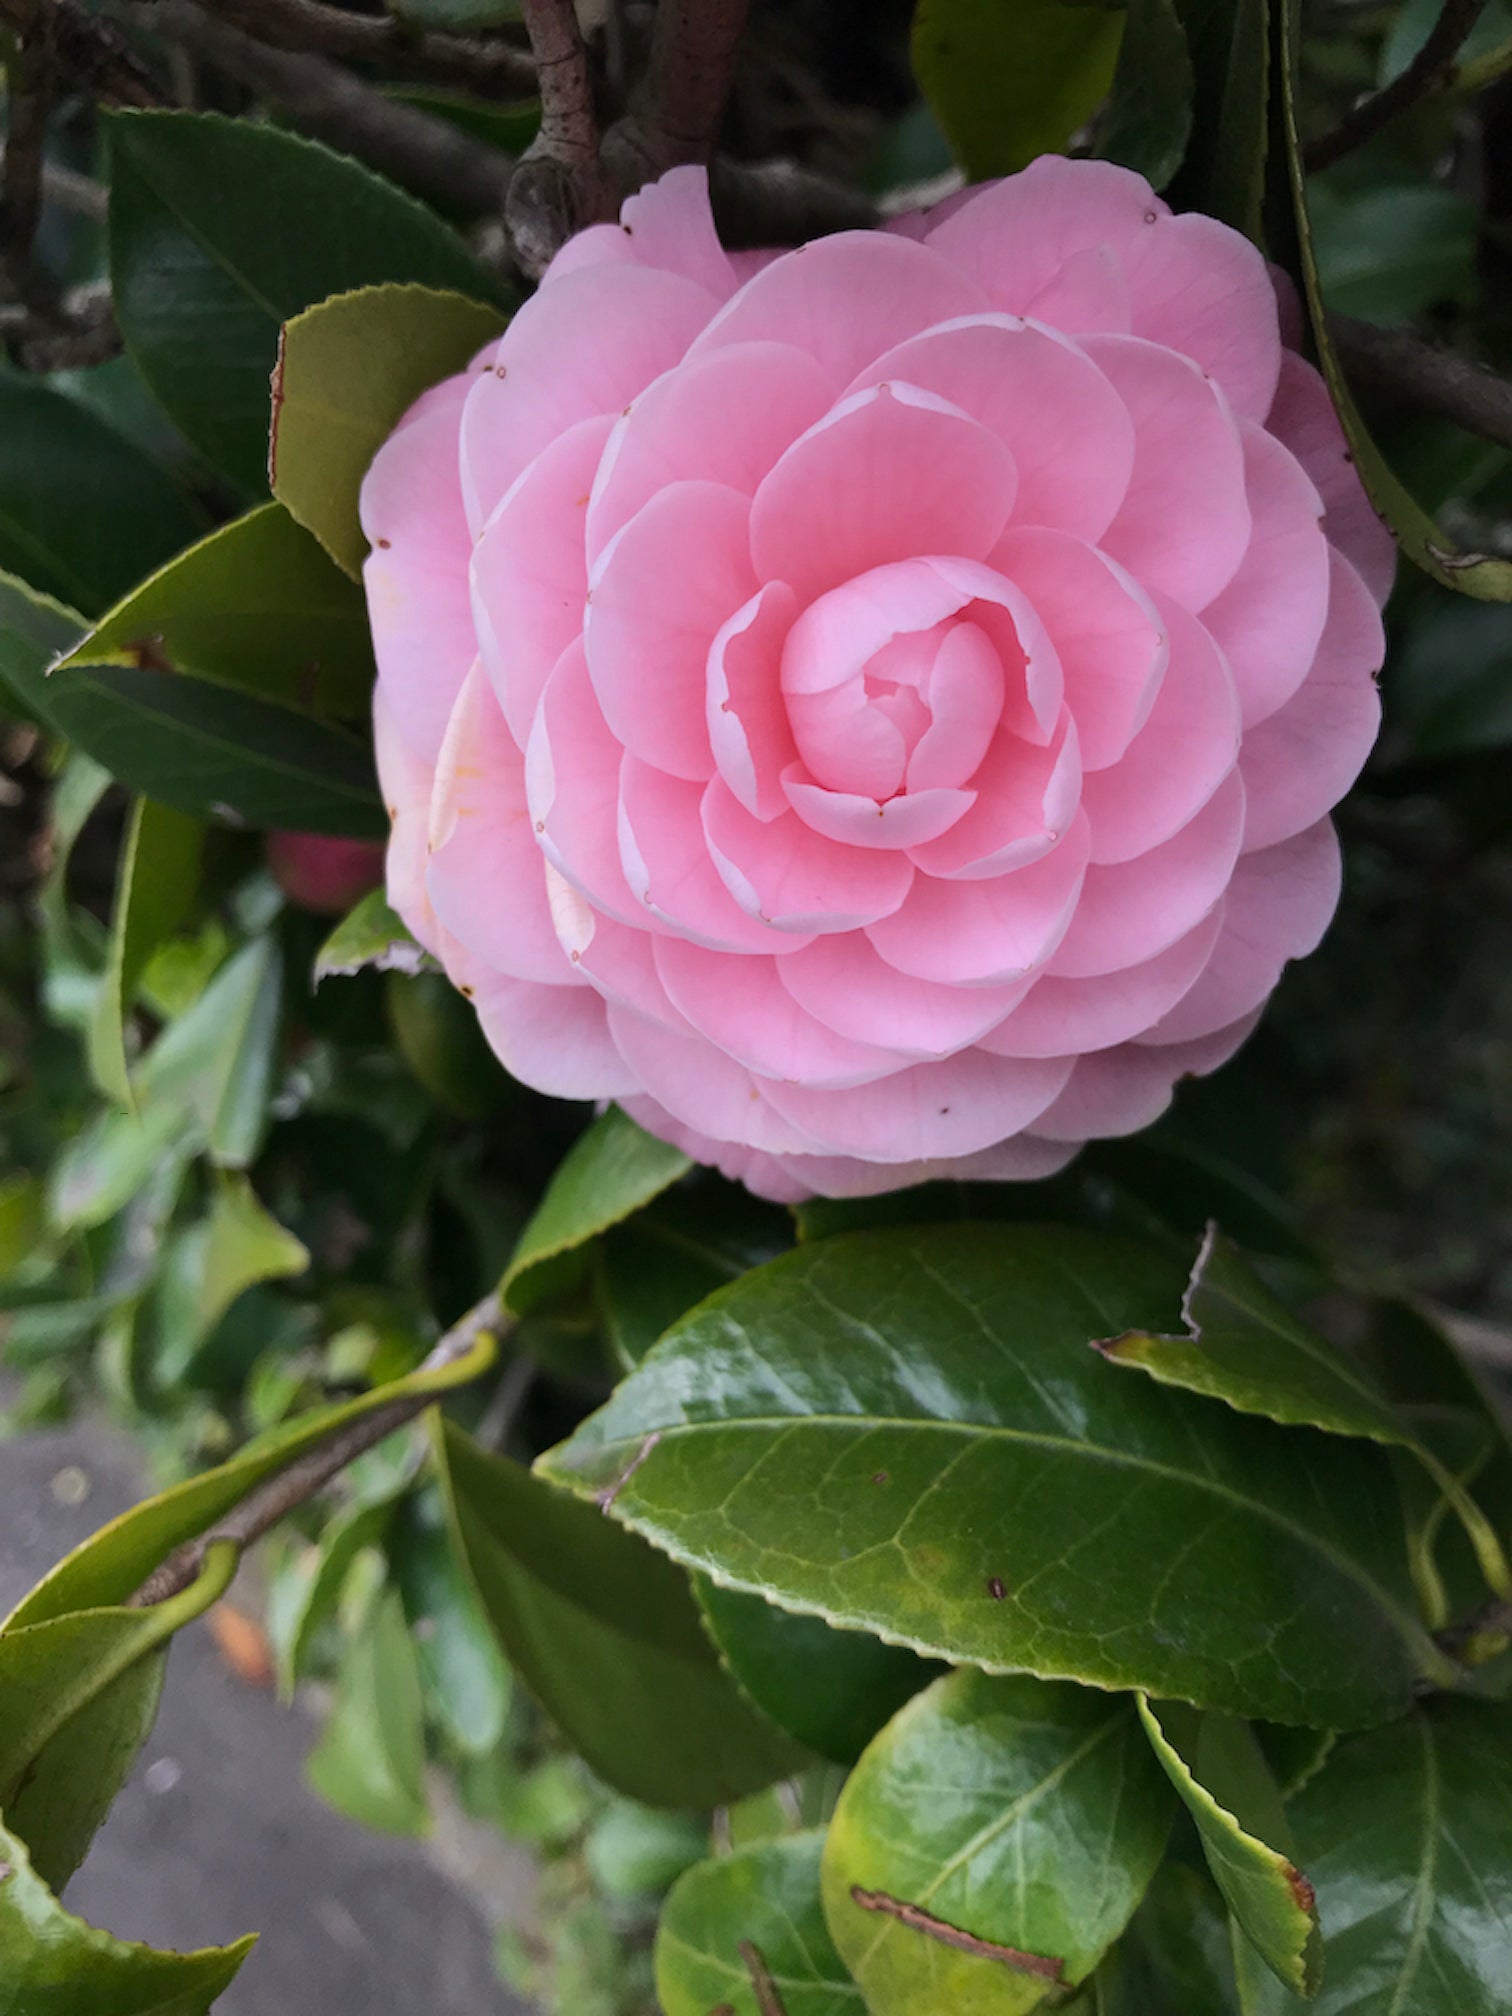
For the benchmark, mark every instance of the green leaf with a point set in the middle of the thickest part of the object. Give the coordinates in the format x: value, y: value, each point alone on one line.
x: 156, y: 884
x: 1218, y: 1768
x: 653, y: 1267
x: 1390, y: 254
x: 1176, y: 1958
x: 216, y: 1061
x: 83, y: 513
x: 466, y: 1682
x: 1405, y: 1835
x: 1423, y: 541
x: 307, y: 1590
x: 348, y: 370
x: 256, y: 606
x: 370, y: 1760
x: 189, y: 742
x: 1224, y: 168
x: 1010, y: 82
x: 1246, y: 1348
x: 1149, y: 116
x: 52, y: 1961
x: 758, y: 1908
x: 606, y: 1634
x: 860, y: 1428
x: 992, y: 1843
x: 831, y: 1690
x: 236, y: 1245
x: 99, y: 1172
x: 222, y: 230
x: 113, y: 1563
x: 74, y: 1690
x: 610, y: 1171
x: 371, y: 935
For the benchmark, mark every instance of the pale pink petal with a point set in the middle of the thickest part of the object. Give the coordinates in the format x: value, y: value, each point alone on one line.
x: 1026, y: 798
x: 583, y: 344
x: 555, y: 1039
x: 572, y: 782
x: 487, y: 875
x: 956, y: 1106
x: 723, y: 418
x: 980, y: 933
x: 1302, y: 759
x: 1278, y: 907
x: 416, y: 573
x: 753, y: 1018
x: 1268, y: 620
x: 847, y: 985
x: 668, y: 864
x: 703, y: 1088
x: 1130, y: 911
x: 904, y: 821
x: 1205, y: 290
x: 1184, y: 524
x: 1107, y: 634
x: 1110, y: 1093
x: 1060, y: 1017
x: 762, y: 1174
x: 794, y: 878
x: 1303, y: 418
x: 1180, y: 756
x: 1069, y: 433
x: 406, y: 780
x: 621, y: 963
x: 1014, y: 236
x: 1089, y: 295
x: 749, y: 733
x: 664, y: 587
x: 1023, y: 1158
x: 890, y: 473
x: 844, y: 299
x: 529, y: 575
x: 964, y: 695
x: 669, y: 224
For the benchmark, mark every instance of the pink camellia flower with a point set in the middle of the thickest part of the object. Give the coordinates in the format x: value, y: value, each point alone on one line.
x: 873, y: 710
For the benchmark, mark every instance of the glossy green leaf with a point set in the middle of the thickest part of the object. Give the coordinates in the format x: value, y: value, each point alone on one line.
x: 465, y: 1679
x: 156, y: 884
x: 234, y: 1246
x: 1218, y: 1768
x: 992, y: 1844
x: 1010, y: 82
x: 83, y: 512
x: 79, y: 1680
x: 1405, y: 1833
x: 370, y: 935
x: 906, y: 1432
x: 612, y: 1170
x: 1485, y: 578
x: 656, y: 1264
x: 758, y: 1909
x: 1149, y: 116
x: 1392, y: 253
x: 256, y: 606
x: 1176, y: 1958
x: 51, y: 1961
x: 99, y: 1172
x: 606, y: 1634
x: 1245, y: 1347
x: 216, y: 1061
x: 348, y: 369
x: 1223, y: 171
x: 189, y: 742
x: 222, y: 230
x: 108, y: 1567
x: 305, y: 1594
x: 370, y: 1760
x: 831, y: 1690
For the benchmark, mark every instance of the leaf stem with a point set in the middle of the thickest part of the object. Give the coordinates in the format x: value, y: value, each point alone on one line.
x: 1395, y: 362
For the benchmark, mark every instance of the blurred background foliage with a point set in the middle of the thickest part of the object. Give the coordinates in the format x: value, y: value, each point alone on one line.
x: 230, y: 1191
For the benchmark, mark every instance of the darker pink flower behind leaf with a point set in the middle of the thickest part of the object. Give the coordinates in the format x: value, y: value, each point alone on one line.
x: 874, y: 710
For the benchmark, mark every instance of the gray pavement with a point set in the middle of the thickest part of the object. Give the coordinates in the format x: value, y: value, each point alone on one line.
x: 217, y: 1833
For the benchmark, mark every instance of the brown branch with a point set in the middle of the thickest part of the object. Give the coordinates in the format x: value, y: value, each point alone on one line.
x: 559, y: 186
x: 87, y: 50
x: 300, y: 1480
x: 1432, y: 67
x: 763, y: 1987
x: 28, y: 105
x: 917, y: 1919
x: 1400, y: 365
x: 309, y: 28
x: 428, y: 155
x: 66, y: 335
x: 782, y: 203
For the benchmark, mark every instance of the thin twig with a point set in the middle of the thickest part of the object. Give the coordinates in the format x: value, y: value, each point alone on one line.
x: 558, y: 186
x: 1044, y: 1966
x: 300, y: 1480
x: 763, y: 1987
x: 428, y: 155
x: 28, y: 104
x: 1397, y: 363
x: 308, y: 28
x: 1432, y: 66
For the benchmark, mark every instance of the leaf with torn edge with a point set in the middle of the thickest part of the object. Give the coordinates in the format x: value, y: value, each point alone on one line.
x: 371, y: 935
x: 1246, y: 1348
x: 1217, y: 1767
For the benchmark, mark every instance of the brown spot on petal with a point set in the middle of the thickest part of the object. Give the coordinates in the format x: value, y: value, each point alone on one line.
x: 467, y: 993
x: 385, y: 544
